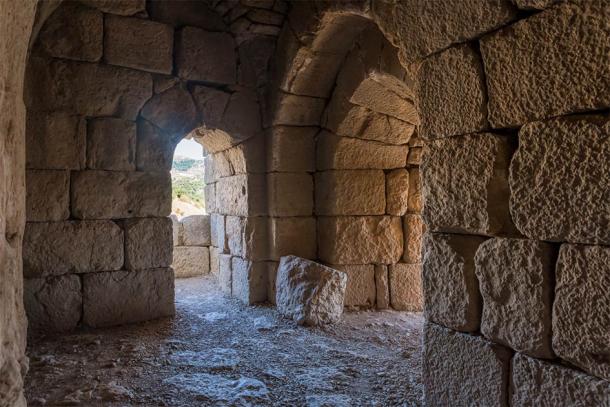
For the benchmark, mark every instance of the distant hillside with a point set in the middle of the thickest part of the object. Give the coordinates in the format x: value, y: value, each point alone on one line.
x: 188, y: 186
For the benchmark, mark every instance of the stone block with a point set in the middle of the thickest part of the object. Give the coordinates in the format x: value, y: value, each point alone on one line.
x: 356, y: 192
x: 47, y: 195
x: 360, y: 290
x: 241, y: 195
x: 197, y: 231
x: 291, y: 149
x: 415, y: 201
x: 336, y: 152
x: 211, y: 104
x: 138, y: 43
x: 397, y: 192
x: 247, y: 237
x: 144, y: 294
x: 119, y: 7
x: 187, y: 12
x: 53, y: 304
x: 55, y: 141
x: 113, y: 194
x: 148, y: 243
x: 524, y: 62
x: 519, y: 317
x: 244, y: 158
x: 249, y: 280
x: 191, y: 261
x: 413, y: 229
x: 193, y: 49
x: 581, y: 311
x: 390, y: 96
x: 55, y: 248
x: 293, y: 236
x: 272, y: 267
x: 111, y: 144
x: 224, y: 273
x: 290, y: 194
x: 559, y: 180
x: 382, y: 286
x: 218, y: 232
x: 154, y: 148
x: 452, y: 98
x: 466, y: 370
x: 177, y: 231
x: 294, y: 110
x: 209, y: 196
x: 310, y: 73
x: 214, y: 260
x: 360, y: 239
x: 465, y: 183
x: 415, y: 156
x: 406, y: 293
x: 172, y: 111
x: 451, y: 289
x: 538, y: 383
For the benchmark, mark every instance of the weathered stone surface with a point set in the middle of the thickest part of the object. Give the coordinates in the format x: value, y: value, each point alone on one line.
x: 47, y: 196
x: 382, y: 286
x: 535, y: 4
x: 113, y: 194
x: 525, y: 61
x: 246, y: 157
x: 413, y: 229
x: 465, y: 184
x: 138, y: 43
x: 336, y: 152
x: 53, y: 304
x: 218, y: 232
x: 187, y: 12
x: 209, y: 195
x: 294, y: 110
x: 538, y: 383
x: 241, y: 195
x: 291, y: 149
x: 193, y: 49
x: 144, y: 294
x: 172, y: 111
x: 452, y: 98
x: 191, y: 261
x: 406, y: 292
x: 383, y: 94
x: 462, y: 369
x: 451, y: 289
x: 359, y: 239
x: 290, y: 194
x: 55, y: 141
x: 293, y: 236
x: 111, y: 144
x: 415, y: 156
x: 211, y: 104
x: 249, y: 280
x: 215, y: 260
x: 120, y: 7
x: 310, y: 73
x: 397, y: 192
x: 308, y: 292
x: 73, y: 32
x: 224, y: 273
x: 197, y: 231
x: 518, y: 317
x: 247, y: 237
x: 148, y: 243
x: 559, y: 180
x: 581, y: 316
x: 86, y: 89
x: 415, y: 201
x: 154, y: 148
x: 272, y: 267
x: 360, y: 290
x: 357, y: 192
x: 177, y: 230
x: 57, y: 247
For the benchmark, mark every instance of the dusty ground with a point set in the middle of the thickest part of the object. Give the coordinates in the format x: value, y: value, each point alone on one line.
x: 217, y: 352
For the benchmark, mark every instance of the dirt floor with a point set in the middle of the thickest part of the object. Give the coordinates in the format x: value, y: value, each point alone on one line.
x: 218, y: 352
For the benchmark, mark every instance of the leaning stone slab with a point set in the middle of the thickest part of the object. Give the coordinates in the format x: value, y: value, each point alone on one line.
x: 308, y: 292
x: 53, y: 304
x: 191, y: 261
x: 148, y: 243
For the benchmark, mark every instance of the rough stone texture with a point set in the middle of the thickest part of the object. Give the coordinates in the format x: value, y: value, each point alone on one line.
x: 292, y: 236
x: 567, y: 44
x: 144, y: 294
x: 191, y: 261
x: 406, y: 287
x: 112, y: 194
x: 193, y: 49
x: 308, y: 292
x: 415, y: 156
x: 214, y: 260
x: 177, y: 230
x: 294, y: 110
x: 55, y: 141
x: 581, y: 317
x: 385, y: 95
x: 336, y: 152
x: 272, y: 267
x: 360, y: 290
x: 534, y: 4
x: 451, y: 92
x: 463, y: 369
x: 356, y: 192
x: 290, y: 194
x: 154, y: 148
x: 451, y: 289
x: 241, y: 195
x: 538, y: 383
x: 209, y: 196
x: 47, y: 195
x: 247, y: 237
x: 217, y: 232
x: 53, y: 304
x: 249, y: 280
x: 211, y: 104
x: 173, y: 111
x: 413, y: 229
x: 57, y: 247
x: 291, y: 149
x: 465, y: 184
x: 138, y: 43
x: 196, y: 230
x: 120, y: 7
x: 519, y: 317
x: 224, y: 273
x: 148, y: 243
x: 415, y: 201
x: 557, y: 196
x: 311, y: 74
x: 397, y: 192
x: 111, y: 144
x: 360, y: 239
x: 382, y: 286
x: 191, y: 13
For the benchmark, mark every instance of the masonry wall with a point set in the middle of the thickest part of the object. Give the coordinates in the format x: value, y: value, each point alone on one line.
x: 192, y: 239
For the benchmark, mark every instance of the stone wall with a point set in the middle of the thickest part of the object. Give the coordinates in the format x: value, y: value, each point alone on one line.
x: 192, y: 240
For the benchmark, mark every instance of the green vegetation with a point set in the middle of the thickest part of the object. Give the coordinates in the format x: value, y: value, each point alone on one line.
x: 188, y: 189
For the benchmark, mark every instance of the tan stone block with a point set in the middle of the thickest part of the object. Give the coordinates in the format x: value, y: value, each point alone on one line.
x: 413, y: 228
x: 211, y: 104
x: 241, y: 195
x: 193, y: 49
x: 360, y: 290
x: 209, y: 196
x: 293, y: 236
x: 272, y: 267
x: 191, y: 13
x: 247, y: 237
x: 519, y: 317
x: 177, y: 230
x: 218, y: 232
x: 215, y: 260
x: 391, y: 97
x: 311, y: 74
x: 291, y: 149
x: 111, y: 144
x: 382, y: 286
x: 290, y: 194
x: 294, y: 110
x: 47, y: 196
x: 415, y: 201
x: 53, y: 304
x: 406, y: 293
x: 224, y: 273
x: 359, y: 239
x: 148, y: 243
x: 154, y: 148
x: 120, y: 7
x: 451, y: 289
x: 244, y: 158
x: 144, y: 294
x: 57, y: 247
x: 581, y: 314
x: 357, y: 192
x: 191, y: 261
x: 172, y: 111
x: 397, y: 192
x: 197, y: 230
x: 114, y: 194
x: 249, y: 281
x: 415, y: 156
